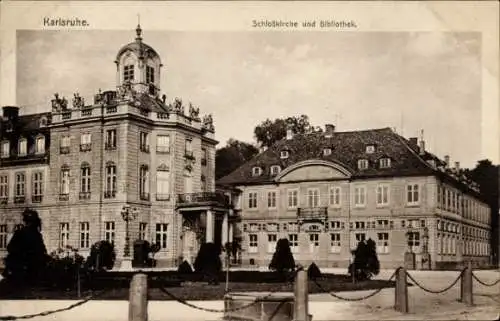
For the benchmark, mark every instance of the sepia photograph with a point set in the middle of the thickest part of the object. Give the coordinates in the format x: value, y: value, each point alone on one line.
x: 249, y: 161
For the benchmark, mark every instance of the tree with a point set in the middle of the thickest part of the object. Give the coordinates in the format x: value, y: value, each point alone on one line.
x: 26, y: 252
x: 208, y: 261
x: 366, y: 263
x: 313, y: 271
x: 102, y: 256
x: 282, y: 258
x: 232, y: 156
x: 487, y: 176
x: 268, y: 132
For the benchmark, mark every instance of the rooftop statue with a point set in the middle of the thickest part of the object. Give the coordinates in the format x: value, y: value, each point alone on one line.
x: 59, y: 104
x: 208, y: 122
x: 194, y: 112
x: 78, y: 101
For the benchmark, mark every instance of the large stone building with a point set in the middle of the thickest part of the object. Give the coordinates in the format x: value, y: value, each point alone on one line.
x: 85, y: 166
x: 326, y: 191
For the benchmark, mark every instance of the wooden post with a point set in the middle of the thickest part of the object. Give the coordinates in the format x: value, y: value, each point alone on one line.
x: 138, y: 298
x: 301, y: 297
x: 466, y: 286
x: 78, y: 281
x: 401, y: 291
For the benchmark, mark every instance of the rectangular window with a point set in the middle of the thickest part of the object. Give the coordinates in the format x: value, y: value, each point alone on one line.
x: 163, y: 143
x: 150, y: 74
x: 383, y: 224
x: 144, y: 142
x: 360, y: 196
x: 204, y: 156
x: 412, y: 192
x: 382, y: 195
x: 144, y: 183
x: 271, y: 199
x: 414, y: 241
x: 84, y: 235
x: 37, y: 193
x: 360, y: 225
x: 313, y: 242
x: 4, y: 187
x: 293, y: 239
x: 360, y: 237
x: 109, y: 231
x: 143, y: 231
x: 110, y: 139
x: 85, y: 179
x: 20, y: 185
x: 63, y: 235
x: 64, y: 187
x: 65, y: 144
x: 382, y: 242
x: 5, y: 149
x: 162, y: 185
x: 385, y: 162
x: 128, y: 73
x: 253, y: 243
x: 86, y: 139
x: 271, y: 242
x: 188, y: 148
x: 335, y: 196
x: 293, y: 198
x: 161, y: 235
x: 3, y: 236
x: 335, y: 244
x: 313, y: 197
x: 252, y: 200
x: 110, y: 186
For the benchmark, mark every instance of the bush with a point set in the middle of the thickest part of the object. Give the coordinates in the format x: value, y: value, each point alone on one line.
x: 102, y: 256
x: 366, y: 263
x: 313, y: 271
x: 26, y: 253
x: 141, y: 251
x: 282, y: 258
x: 62, y: 268
x: 185, y: 268
x: 208, y: 261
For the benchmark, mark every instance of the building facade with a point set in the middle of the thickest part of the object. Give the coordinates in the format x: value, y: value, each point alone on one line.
x: 129, y: 152
x: 326, y: 191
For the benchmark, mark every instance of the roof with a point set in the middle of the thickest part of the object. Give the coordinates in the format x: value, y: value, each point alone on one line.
x: 346, y: 149
x: 150, y: 104
x: 25, y: 125
x: 139, y: 48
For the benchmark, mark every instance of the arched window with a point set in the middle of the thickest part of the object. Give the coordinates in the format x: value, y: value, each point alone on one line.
x: 40, y: 144
x: 22, y: 147
x: 110, y: 183
x: 144, y: 182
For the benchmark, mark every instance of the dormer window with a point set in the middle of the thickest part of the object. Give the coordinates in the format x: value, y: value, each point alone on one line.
x: 5, y: 149
x: 362, y: 164
x: 40, y: 145
x: 275, y: 170
x: 385, y: 162
x: 22, y: 147
x: 327, y: 151
x: 256, y: 171
x: 370, y: 149
x: 43, y: 122
x: 128, y: 73
x: 284, y: 154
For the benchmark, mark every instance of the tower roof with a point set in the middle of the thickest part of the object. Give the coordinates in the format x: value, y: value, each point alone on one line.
x: 138, y: 47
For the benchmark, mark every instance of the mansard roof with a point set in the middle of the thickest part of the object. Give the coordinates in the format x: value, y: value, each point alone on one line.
x: 347, y: 148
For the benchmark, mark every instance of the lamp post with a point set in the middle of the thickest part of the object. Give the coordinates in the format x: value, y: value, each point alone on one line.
x: 426, y: 257
x: 425, y: 237
x: 128, y: 214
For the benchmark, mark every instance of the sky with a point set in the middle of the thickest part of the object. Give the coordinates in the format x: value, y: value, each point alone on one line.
x: 410, y: 81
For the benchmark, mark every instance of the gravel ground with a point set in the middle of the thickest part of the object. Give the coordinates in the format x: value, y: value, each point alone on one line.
x: 323, y: 307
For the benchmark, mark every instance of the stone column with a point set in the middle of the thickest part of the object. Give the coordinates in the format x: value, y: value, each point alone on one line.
x: 225, y: 230
x: 209, y: 233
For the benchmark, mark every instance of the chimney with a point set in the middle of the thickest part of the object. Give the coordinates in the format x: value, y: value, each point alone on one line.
x: 289, y: 133
x: 413, y: 141
x: 10, y: 112
x: 447, y: 161
x: 329, y: 130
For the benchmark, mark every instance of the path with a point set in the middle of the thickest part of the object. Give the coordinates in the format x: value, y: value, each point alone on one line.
x: 423, y: 306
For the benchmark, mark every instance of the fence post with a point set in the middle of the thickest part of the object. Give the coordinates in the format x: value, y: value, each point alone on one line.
x: 401, y: 291
x: 301, y: 297
x: 466, y: 286
x: 138, y: 298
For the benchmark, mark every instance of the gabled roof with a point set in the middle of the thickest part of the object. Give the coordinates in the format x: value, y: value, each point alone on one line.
x: 346, y: 149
